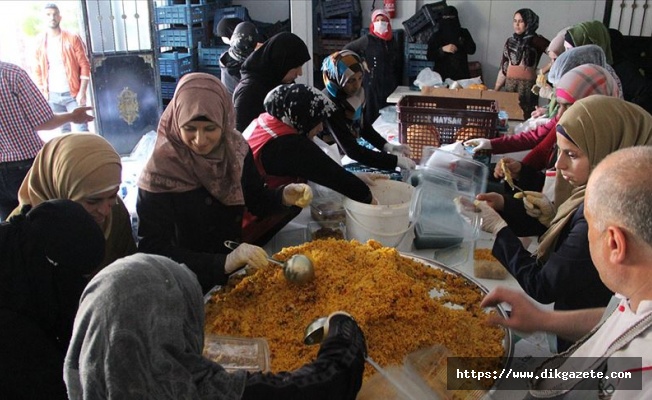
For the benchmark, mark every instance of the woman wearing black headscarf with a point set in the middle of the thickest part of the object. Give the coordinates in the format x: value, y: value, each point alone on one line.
x: 450, y: 46
x: 521, y: 55
x: 278, y: 61
x: 45, y: 256
x: 282, y: 145
x: 243, y: 43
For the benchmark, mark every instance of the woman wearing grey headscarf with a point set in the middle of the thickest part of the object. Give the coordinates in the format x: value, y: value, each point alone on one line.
x: 139, y: 334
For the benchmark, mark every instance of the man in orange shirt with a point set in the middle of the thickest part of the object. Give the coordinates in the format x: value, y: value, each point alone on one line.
x: 62, y: 68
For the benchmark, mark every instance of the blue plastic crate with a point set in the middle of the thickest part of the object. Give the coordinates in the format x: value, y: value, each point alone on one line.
x: 340, y: 26
x: 180, y: 37
x: 232, y: 12
x: 181, y: 14
x: 175, y: 64
x: 168, y: 88
x: 415, y: 66
x: 332, y: 8
x: 416, y: 51
x: 210, y: 56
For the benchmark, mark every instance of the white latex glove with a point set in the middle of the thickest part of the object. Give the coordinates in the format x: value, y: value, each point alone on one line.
x: 492, y: 222
x: 478, y: 144
x: 538, y: 206
x: 405, y: 163
x: 297, y: 194
x: 370, y: 178
x: 245, y: 254
x: 398, y: 149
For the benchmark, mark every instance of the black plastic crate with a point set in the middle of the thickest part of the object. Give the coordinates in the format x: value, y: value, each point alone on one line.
x: 416, y: 51
x: 332, y: 8
x: 181, y: 14
x: 210, y: 56
x: 343, y: 27
x: 415, y: 24
x: 433, y: 11
x: 168, y: 88
x: 329, y: 46
x: 175, y: 64
x: 180, y: 37
x: 232, y: 12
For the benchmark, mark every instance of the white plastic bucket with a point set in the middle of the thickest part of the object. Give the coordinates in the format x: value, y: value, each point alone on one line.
x: 388, y: 221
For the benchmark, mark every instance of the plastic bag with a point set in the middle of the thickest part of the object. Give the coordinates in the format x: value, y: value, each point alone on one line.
x: 428, y: 77
x: 530, y: 124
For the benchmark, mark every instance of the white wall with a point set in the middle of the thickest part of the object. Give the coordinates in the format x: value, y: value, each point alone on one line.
x: 489, y: 21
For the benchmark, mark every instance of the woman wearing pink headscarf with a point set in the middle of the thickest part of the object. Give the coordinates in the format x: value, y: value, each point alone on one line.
x: 378, y: 48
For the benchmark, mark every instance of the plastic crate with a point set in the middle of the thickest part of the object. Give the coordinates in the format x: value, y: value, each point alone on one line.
x: 215, y: 71
x: 175, y: 64
x: 433, y: 11
x: 433, y: 121
x: 341, y: 26
x: 357, y: 167
x: 416, y: 51
x: 330, y: 46
x: 332, y: 8
x: 180, y: 37
x: 168, y: 88
x: 416, y: 23
x: 415, y: 66
x: 182, y: 14
x: 210, y: 56
x: 232, y: 12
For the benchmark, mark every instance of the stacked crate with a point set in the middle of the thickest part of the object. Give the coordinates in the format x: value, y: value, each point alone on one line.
x: 181, y: 28
x: 338, y: 23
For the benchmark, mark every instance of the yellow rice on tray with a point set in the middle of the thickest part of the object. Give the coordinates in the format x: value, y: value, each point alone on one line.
x: 386, y: 293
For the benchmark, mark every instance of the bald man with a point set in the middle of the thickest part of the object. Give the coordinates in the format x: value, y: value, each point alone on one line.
x: 618, y: 210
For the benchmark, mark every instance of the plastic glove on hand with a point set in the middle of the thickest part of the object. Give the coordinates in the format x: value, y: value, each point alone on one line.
x: 398, y: 149
x: 370, y: 178
x: 405, y: 163
x: 297, y: 194
x: 245, y: 254
x: 492, y: 222
x: 538, y: 206
x: 478, y: 144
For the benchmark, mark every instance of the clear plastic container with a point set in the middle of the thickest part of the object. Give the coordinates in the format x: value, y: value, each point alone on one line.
x: 238, y: 353
x: 327, y: 205
x: 326, y: 229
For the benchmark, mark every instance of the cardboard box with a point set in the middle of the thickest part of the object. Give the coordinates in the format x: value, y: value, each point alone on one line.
x: 506, y: 101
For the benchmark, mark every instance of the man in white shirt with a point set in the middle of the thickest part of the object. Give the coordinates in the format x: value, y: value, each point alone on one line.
x: 62, y: 68
x: 618, y: 210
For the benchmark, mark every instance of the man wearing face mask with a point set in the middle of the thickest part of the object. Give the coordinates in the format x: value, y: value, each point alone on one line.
x: 377, y: 48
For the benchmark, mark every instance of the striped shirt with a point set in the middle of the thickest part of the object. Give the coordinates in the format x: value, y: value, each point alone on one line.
x: 23, y: 109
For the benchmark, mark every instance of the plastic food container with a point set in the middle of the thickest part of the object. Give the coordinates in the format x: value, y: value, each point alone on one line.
x: 328, y: 207
x: 238, y: 353
x: 326, y: 229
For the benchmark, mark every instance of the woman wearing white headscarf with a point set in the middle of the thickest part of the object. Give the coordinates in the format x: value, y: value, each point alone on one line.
x: 139, y: 334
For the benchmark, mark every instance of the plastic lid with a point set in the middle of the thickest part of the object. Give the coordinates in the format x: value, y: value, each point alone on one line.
x: 238, y: 353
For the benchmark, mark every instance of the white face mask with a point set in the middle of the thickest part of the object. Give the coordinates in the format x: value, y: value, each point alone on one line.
x: 380, y: 27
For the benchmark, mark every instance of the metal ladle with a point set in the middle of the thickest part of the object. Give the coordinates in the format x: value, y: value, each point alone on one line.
x: 297, y: 269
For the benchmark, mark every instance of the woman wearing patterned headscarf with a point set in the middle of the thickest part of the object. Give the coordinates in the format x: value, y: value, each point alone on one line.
x: 85, y: 168
x: 243, y: 43
x: 562, y: 271
x: 521, y: 55
x: 450, y: 46
x: 278, y: 61
x: 139, y: 334
x: 46, y: 255
x: 343, y: 73
x: 194, y: 188
x: 281, y: 142
x: 378, y: 48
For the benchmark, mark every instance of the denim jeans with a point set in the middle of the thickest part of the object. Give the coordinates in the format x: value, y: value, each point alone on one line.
x: 64, y: 102
x: 11, y: 177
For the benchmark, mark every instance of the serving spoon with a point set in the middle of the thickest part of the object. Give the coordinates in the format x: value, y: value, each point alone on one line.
x: 297, y: 269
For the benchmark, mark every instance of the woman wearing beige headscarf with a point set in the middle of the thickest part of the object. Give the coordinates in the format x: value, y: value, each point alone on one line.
x: 84, y: 168
x: 194, y: 188
x: 562, y: 271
